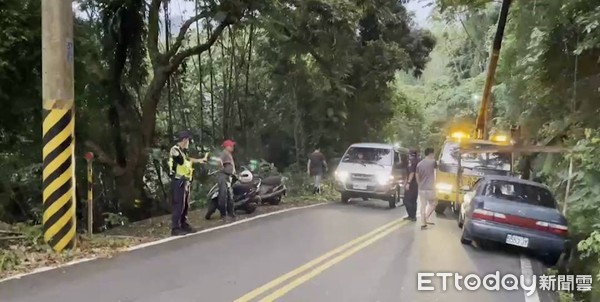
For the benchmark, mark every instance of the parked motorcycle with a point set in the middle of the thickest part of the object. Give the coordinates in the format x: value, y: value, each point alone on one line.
x: 245, y: 192
x: 271, y: 189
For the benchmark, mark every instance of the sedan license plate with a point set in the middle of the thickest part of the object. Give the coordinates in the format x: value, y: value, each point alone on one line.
x: 517, y: 240
x: 359, y: 186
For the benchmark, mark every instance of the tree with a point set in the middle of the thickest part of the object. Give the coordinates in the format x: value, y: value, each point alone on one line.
x: 131, y: 34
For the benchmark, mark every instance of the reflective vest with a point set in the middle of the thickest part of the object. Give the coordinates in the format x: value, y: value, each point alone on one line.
x: 179, y: 171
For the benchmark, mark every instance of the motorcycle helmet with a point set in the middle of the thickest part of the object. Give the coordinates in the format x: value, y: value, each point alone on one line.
x: 245, y: 176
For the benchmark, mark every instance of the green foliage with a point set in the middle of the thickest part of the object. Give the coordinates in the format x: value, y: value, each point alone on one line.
x: 546, y: 81
x: 338, y: 86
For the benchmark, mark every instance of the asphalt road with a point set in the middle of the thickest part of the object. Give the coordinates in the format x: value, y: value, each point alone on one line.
x: 235, y: 263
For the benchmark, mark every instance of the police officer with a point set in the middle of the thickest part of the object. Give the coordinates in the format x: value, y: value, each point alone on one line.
x: 181, y: 171
x: 225, y: 202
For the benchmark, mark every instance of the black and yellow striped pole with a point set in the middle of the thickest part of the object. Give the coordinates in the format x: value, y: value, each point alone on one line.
x: 58, y: 125
x: 90, y: 193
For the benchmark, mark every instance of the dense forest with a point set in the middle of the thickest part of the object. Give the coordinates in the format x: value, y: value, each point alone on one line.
x: 282, y: 77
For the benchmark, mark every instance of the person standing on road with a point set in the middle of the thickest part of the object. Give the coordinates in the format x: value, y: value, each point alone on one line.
x: 225, y: 199
x: 412, y: 188
x: 425, y: 174
x: 316, y: 167
x: 181, y: 170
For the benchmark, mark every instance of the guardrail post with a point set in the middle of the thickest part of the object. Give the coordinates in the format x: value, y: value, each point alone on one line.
x: 90, y: 193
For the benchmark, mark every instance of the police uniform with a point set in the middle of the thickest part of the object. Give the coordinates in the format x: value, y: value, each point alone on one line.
x: 181, y: 171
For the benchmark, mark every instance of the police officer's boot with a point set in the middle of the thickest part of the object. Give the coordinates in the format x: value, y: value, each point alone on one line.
x: 188, y: 228
x: 178, y: 232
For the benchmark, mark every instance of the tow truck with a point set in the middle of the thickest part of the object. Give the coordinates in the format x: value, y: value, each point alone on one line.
x: 456, y: 169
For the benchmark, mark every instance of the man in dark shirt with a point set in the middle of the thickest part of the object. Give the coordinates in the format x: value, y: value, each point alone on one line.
x: 316, y: 167
x: 412, y: 189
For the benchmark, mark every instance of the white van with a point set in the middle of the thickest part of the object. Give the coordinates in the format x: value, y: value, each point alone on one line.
x: 371, y: 170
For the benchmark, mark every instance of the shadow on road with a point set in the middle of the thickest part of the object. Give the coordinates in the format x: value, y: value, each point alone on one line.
x: 375, y: 204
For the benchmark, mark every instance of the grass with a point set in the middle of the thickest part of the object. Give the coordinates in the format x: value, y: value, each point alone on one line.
x: 160, y: 227
x: 28, y: 251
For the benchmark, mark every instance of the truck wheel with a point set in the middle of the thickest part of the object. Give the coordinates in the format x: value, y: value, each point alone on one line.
x: 345, y: 198
x: 460, y: 219
x: 455, y: 208
x: 441, y: 208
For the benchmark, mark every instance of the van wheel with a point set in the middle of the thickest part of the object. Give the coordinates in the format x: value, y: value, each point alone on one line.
x: 345, y: 198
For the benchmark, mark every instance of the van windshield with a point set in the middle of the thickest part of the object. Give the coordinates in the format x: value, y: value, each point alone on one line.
x: 379, y: 156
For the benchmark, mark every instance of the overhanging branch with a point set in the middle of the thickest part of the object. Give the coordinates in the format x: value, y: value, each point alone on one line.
x: 183, y: 31
x: 198, y: 49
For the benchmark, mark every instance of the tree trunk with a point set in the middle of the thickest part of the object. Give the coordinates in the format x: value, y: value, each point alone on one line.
x: 167, y: 45
x: 297, y: 124
x: 235, y: 100
x: 200, y: 75
x: 225, y: 98
x: 247, y: 78
x: 212, y: 88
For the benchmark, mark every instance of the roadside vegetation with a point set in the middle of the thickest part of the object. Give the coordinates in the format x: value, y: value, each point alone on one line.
x: 281, y: 77
x: 22, y: 247
x: 547, y: 82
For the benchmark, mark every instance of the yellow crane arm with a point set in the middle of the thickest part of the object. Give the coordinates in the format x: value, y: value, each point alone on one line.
x: 481, y: 127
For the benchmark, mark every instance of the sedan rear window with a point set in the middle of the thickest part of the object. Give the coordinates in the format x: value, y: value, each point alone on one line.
x: 520, y: 192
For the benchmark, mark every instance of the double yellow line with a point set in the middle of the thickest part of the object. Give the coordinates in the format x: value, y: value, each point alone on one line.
x: 320, y: 264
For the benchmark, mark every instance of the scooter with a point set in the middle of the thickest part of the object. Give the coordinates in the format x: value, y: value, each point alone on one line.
x: 245, y: 195
x: 271, y: 189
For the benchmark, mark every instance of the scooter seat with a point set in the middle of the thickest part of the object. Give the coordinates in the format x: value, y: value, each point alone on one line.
x: 241, y: 188
x: 272, y: 181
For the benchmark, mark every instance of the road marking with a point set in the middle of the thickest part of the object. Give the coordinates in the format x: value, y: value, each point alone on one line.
x: 527, y: 271
x: 301, y: 269
x: 143, y: 245
x: 147, y: 244
x: 318, y: 270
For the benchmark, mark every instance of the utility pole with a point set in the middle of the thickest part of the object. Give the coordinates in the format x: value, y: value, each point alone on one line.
x: 58, y: 124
